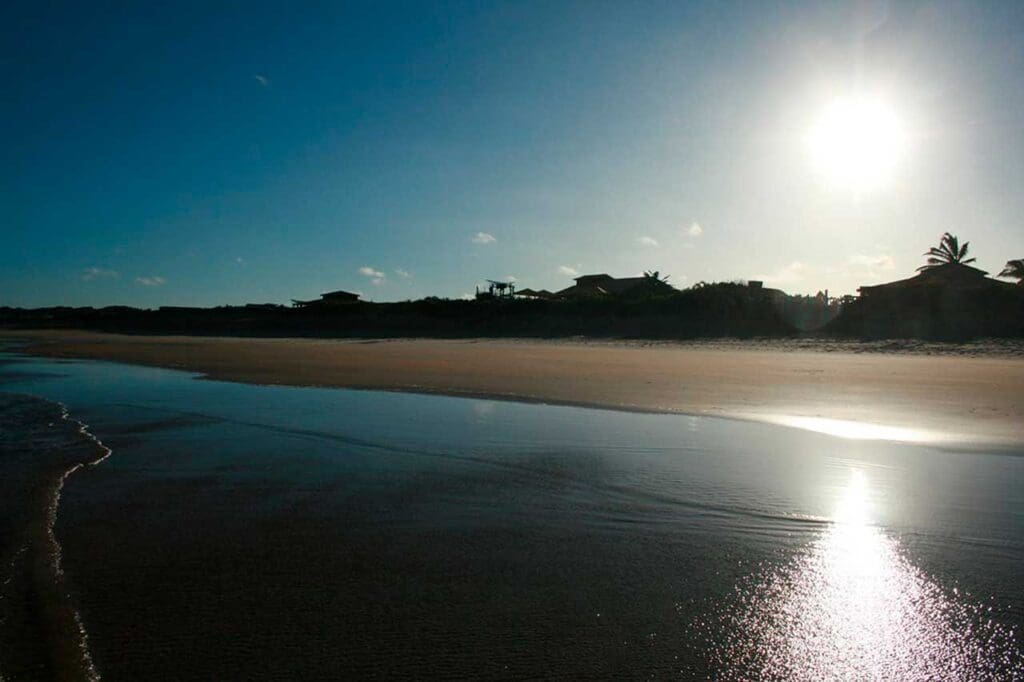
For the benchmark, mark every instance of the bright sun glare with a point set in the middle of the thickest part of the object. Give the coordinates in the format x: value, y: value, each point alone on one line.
x: 856, y: 143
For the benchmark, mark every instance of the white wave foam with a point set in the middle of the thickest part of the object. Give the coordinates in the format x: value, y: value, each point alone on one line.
x: 89, y: 671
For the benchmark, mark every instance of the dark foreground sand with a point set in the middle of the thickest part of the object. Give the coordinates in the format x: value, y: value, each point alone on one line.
x: 947, y: 399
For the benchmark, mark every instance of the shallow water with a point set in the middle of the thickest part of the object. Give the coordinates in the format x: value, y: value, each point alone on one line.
x: 263, y: 532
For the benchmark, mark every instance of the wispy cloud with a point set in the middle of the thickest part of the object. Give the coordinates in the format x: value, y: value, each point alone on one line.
x: 568, y: 271
x: 858, y: 267
x: 647, y: 241
x: 376, y: 276
x: 262, y: 80
x: 404, y: 274
x: 694, y: 230
x: 511, y: 279
x: 794, y: 273
x: 484, y: 238
x: 153, y: 281
x: 90, y: 274
x: 880, y: 261
x: 869, y: 267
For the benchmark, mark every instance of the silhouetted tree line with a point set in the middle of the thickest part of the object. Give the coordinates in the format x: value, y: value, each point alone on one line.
x: 810, y: 312
x: 948, y: 300
x: 725, y: 309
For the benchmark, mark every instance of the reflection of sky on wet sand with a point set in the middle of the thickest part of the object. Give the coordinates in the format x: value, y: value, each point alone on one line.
x: 853, y: 607
x: 690, y: 536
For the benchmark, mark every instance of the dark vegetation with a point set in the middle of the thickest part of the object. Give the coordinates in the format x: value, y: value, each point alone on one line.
x: 948, y: 300
x: 704, y: 311
x: 1015, y: 270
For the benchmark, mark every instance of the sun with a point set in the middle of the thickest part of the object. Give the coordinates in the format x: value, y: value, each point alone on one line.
x: 857, y: 143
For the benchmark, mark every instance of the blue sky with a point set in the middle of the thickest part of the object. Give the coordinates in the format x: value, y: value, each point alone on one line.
x: 178, y: 154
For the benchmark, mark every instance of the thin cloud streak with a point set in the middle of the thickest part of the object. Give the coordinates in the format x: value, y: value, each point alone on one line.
x: 90, y: 274
x: 879, y: 262
x: 377, y: 277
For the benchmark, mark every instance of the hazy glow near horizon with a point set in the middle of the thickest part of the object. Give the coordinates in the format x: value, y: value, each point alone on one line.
x: 857, y: 143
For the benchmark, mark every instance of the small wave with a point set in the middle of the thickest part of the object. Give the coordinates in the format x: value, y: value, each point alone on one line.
x: 41, y: 632
x: 87, y: 667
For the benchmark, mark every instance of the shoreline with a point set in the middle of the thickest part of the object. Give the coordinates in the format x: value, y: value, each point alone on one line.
x: 939, y: 399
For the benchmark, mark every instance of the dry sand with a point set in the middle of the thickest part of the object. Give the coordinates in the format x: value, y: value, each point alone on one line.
x: 975, y: 401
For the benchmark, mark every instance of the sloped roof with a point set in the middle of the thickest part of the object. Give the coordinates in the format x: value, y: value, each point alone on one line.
x: 948, y: 274
x: 603, y: 285
x: 952, y: 270
x: 578, y: 290
x: 530, y: 293
x: 328, y: 299
x: 619, y: 286
x: 339, y: 294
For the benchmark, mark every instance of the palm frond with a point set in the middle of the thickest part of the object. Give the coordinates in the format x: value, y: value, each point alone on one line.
x: 949, y: 250
x: 1014, y: 269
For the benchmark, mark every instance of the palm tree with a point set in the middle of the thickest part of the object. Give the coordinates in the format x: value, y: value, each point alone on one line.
x: 1014, y: 269
x: 654, y: 284
x: 947, y: 252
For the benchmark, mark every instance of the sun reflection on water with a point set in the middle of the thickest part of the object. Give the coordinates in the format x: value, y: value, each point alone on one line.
x: 855, y: 430
x: 853, y: 607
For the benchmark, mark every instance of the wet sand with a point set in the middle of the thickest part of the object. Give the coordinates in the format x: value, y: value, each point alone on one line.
x: 976, y: 401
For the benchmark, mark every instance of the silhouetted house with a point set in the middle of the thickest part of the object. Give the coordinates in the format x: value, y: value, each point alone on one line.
x: 592, y: 286
x: 951, y: 301
x: 540, y: 294
x: 948, y: 276
x: 329, y: 300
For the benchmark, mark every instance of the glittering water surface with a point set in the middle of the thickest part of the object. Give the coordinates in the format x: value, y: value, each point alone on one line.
x: 852, y: 606
x: 241, y: 532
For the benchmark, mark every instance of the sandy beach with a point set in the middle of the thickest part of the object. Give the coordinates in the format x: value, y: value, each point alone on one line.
x: 976, y: 401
